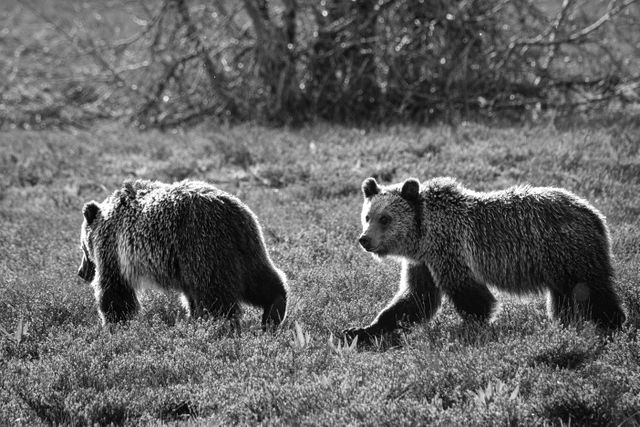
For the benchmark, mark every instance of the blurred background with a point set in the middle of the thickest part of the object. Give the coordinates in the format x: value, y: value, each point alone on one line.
x: 171, y: 63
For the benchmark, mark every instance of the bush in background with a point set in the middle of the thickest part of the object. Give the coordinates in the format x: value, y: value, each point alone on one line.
x: 177, y: 62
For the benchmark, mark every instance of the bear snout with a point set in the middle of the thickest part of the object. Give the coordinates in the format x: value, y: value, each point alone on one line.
x: 365, y: 242
x: 87, y: 270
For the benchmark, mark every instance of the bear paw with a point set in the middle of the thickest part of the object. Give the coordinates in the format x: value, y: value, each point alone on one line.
x: 364, y: 335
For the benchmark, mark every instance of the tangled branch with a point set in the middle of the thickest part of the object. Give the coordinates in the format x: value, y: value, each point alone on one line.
x: 290, y: 60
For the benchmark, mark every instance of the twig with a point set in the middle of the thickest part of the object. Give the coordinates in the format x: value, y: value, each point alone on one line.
x: 555, y: 28
x: 92, y: 52
x: 123, y: 44
x: 611, y: 12
x: 169, y: 73
x: 190, y: 117
x: 581, y: 34
x: 216, y: 77
x: 230, y: 22
x: 11, y: 75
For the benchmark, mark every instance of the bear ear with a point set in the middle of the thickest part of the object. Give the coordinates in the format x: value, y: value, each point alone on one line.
x: 370, y: 187
x: 410, y: 189
x: 90, y: 212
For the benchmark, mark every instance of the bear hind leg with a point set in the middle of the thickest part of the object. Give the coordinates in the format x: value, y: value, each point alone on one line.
x: 604, y: 307
x: 596, y: 302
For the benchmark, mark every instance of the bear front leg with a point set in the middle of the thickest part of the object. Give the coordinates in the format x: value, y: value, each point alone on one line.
x: 274, y: 312
x: 559, y: 307
x: 268, y: 290
x: 117, y: 302
x: 417, y: 299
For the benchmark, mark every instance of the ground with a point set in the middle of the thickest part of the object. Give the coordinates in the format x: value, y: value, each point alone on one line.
x: 59, y: 366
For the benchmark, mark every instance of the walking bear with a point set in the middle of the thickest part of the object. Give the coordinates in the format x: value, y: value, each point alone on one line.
x: 189, y: 237
x: 456, y: 241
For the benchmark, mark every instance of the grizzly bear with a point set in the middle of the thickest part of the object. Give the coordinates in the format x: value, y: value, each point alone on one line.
x: 457, y: 242
x: 188, y: 237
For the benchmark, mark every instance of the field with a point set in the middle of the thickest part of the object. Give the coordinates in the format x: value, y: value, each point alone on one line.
x: 59, y: 366
x: 65, y: 140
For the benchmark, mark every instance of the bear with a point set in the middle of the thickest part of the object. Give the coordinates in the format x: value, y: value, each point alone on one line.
x: 189, y: 237
x: 455, y: 241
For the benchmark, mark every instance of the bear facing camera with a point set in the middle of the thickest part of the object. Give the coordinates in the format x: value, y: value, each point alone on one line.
x: 188, y: 237
x: 457, y: 242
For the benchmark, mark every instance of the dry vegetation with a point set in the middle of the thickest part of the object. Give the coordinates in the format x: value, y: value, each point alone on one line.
x: 76, y: 73
x: 169, y: 63
x: 59, y: 366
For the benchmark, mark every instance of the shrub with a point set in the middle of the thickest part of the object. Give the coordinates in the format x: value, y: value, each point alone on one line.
x: 289, y: 61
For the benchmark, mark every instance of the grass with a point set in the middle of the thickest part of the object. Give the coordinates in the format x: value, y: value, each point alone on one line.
x: 60, y: 367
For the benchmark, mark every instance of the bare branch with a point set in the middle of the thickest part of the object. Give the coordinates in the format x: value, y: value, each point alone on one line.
x: 555, y: 29
x: 289, y: 18
x: 91, y: 51
x: 579, y: 35
x: 152, y: 22
x: 611, y: 12
x: 215, y: 76
x: 253, y: 10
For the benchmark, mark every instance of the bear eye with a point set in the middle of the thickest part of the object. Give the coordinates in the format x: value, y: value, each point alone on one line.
x: 385, y: 220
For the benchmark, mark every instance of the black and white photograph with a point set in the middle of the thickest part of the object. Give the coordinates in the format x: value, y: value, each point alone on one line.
x: 320, y: 212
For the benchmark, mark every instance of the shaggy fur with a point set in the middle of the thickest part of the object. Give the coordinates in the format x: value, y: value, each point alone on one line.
x: 457, y: 241
x: 189, y: 237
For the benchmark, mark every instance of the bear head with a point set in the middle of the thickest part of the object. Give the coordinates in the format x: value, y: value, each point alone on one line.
x: 92, y: 216
x: 388, y: 217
